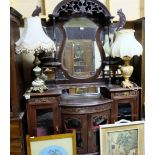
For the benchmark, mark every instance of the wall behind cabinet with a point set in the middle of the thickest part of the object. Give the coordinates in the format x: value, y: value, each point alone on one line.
x: 137, y: 7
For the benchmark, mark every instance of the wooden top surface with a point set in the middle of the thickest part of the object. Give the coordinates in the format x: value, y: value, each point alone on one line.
x: 50, y: 92
x: 56, y: 89
x: 116, y: 88
x: 82, y: 100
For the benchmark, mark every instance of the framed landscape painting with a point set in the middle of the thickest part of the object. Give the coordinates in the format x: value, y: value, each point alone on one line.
x: 122, y: 139
x: 60, y: 144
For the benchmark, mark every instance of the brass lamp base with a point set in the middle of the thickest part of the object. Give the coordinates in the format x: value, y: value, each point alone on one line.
x: 126, y: 84
x: 38, y: 85
x: 126, y: 71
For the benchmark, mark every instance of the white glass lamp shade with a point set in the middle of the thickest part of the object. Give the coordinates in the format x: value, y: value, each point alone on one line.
x: 126, y: 44
x: 107, y: 44
x: 34, y: 38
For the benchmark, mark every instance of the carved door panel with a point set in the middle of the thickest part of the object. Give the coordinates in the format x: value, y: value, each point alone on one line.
x: 93, y: 134
x: 79, y: 123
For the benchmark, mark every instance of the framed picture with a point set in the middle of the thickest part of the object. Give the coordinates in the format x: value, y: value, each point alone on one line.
x: 122, y: 138
x: 60, y: 144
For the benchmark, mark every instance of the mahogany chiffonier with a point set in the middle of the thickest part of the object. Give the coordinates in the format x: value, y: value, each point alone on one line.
x: 78, y: 96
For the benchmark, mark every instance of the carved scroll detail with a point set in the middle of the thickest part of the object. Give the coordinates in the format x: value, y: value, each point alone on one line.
x: 122, y: 20
x: 81, y: 6
x: 84, y: 110
x: 43, y: 100
x: 129, y: 93
x: 120, y: 24
x: 91, y: 8
x: 37, y: 11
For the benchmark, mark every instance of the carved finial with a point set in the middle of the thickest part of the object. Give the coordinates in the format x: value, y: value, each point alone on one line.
x: 120, y: 24
x: 122, y: 19
x: 37, y: 11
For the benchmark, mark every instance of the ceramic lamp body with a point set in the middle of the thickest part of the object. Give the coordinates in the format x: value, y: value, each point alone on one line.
x: 126, y: 71
x: 126, y: 46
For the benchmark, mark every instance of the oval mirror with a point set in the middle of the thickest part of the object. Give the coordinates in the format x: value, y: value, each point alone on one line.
x: 81, y: 55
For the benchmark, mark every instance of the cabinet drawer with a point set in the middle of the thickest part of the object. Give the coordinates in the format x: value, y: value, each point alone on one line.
x: 43, y: 100
x: 15, y: 130
x: 16, y: 147
x: 124, y: 94
x: 16, y: 126
x: 16, y: 153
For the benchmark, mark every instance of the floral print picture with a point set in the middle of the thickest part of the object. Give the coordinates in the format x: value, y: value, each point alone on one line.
x: 122, y: 142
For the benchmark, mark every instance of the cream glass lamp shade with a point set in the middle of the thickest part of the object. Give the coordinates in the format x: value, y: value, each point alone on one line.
x: 34, y: 37
x: 107, y: 44
x: 34, y: 40
x: 126, y: 46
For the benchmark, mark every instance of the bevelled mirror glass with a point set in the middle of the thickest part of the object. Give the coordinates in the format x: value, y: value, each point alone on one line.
x: 81, y: 55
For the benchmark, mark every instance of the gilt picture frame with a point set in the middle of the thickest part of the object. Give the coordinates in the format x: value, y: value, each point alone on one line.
x: 60, y: 144
x: 122, y: 139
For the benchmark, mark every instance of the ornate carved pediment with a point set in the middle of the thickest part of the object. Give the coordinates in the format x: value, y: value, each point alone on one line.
x: 90, y: 8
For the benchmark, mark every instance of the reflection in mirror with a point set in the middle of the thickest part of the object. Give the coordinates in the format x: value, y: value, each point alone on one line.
x: 81, y: 56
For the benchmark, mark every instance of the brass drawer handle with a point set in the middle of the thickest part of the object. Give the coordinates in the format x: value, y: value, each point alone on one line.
x: 57, y: 129
x: 125, y: 93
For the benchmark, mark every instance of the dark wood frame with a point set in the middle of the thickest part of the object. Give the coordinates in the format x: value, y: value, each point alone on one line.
x: 93, y: 10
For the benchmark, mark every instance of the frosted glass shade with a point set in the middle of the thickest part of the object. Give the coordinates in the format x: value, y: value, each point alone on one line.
x: 34, y: 37
x: 107, y: 44
x: 126, y: 44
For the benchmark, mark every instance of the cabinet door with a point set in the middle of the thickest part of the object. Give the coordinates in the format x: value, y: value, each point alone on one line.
x: 45, y: 121
x: 43, y: 116
x: 42, y: 120
x: 125, y: 109
x: 31, y: 120
x: 79, y: 123
x: 93, y: 132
